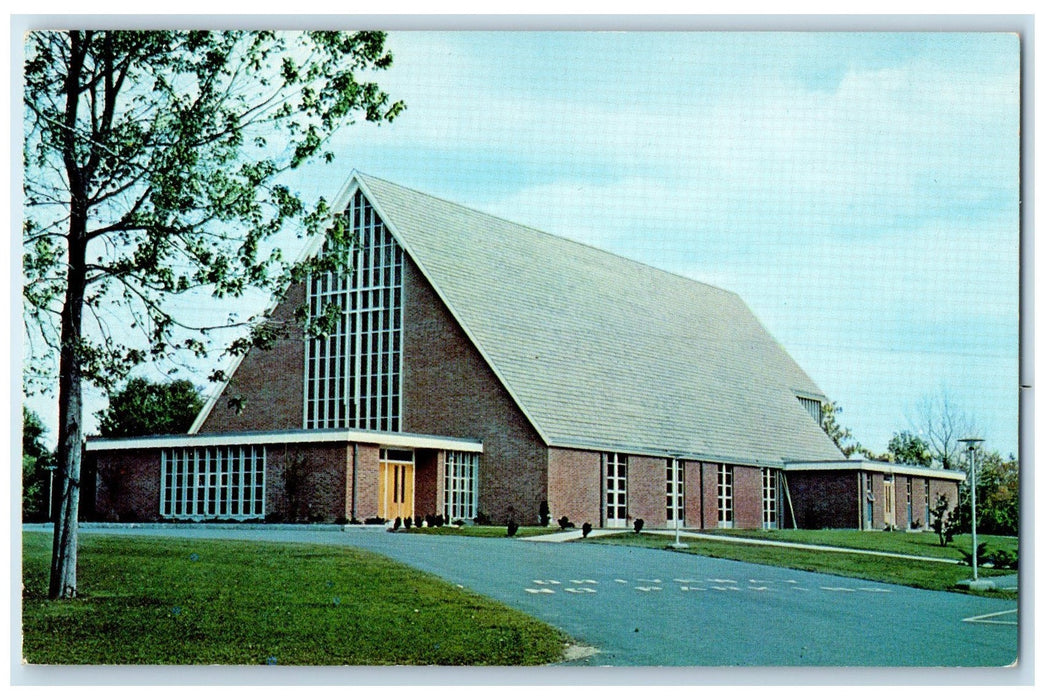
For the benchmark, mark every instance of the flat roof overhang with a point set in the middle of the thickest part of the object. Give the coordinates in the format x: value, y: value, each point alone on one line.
x: 873, y: 466
x: 287, y: 437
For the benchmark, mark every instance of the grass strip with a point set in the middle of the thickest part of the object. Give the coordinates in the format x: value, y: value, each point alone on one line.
x: 922, y: 544
x: 168, y: 601
x: 481, y: 531
x: 936, y: 576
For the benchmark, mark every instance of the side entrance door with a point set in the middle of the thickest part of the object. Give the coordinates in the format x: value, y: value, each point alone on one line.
x: 396, y: 487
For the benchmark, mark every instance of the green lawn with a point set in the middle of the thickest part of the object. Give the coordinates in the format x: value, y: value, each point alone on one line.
x: 939, y: 576
x: 166, y: 601
x: 923, y: 544
x: 481, y: 531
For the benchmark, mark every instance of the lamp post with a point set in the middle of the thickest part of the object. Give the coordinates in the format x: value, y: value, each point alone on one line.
x: 971, y: 445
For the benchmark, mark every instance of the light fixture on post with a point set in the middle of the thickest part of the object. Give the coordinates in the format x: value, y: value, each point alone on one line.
x: 970, y: 446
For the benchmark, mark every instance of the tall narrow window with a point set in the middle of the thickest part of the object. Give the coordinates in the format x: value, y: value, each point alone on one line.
x: 725, y: 496
x: 461, y: 486
x: 212, y: 482
x: 769, y: 499
x: 616, y: 506
x: 353, y: 374
x: 868, y: 500
x: 675, y: 494
x: 928, y: 515
x: 910, y: 503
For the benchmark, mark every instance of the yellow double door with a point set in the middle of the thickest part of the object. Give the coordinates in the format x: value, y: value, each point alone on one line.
x: 396, y: 490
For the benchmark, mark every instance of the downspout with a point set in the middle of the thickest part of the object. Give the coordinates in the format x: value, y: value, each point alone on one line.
x: 355, y: 481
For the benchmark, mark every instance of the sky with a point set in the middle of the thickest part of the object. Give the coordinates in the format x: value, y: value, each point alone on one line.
x: 859, y: 191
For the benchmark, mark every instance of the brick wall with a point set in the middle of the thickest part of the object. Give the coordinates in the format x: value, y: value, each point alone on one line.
x: 270, y: 382
x: 428, y: 483
x: 826, y: 499
x: 747, y: 497
x: 918, y: 493
x: 710, y: 498
x: 321, y: 490
x: 694, y: 496
x: 647, y: 490
x: 368, y: 458
x: 575, y: 485
x: 128, y: 486
x: 448, y: 389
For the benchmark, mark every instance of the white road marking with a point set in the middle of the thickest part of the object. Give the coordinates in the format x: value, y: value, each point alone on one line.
x: 647, y: 589
x: 759, y: 588
x: 875, y: 590
x: 691, y: 588
x: 538, y: 590
x: 986, y: 619
x: 721, y: 580
x: 580, y: 590
x: 684, y: 580
x: 650, y: 580
x: 583, y: 580
x: 838, y: 588
x: 620, y: 580
x: 798, y: 588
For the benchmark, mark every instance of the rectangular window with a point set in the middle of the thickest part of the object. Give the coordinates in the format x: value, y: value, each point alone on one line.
x: 725, y: 496
x: 675, y: 496
x: 616, y: 504
x: 928, y: 516
x: 213, y: 482
x: 353, y: 372
x: 769, y: 499
x: 910, y: 504
x: 461, y: 486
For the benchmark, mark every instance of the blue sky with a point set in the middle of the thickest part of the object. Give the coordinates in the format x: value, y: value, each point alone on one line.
x: 859, y: 191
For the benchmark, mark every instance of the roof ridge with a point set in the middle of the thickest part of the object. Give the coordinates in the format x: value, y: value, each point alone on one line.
x: 541, y: 232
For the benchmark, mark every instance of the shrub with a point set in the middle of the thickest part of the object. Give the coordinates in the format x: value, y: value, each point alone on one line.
x: 439, y: 521
x: 275, y: 517
x: 1005, y: 559
x: 981, y: 550
x: 564, y: 522
x: 639, y: 522
x: 459, y: 522
x: 543, y: 514
x: 397, y: 524
x: 585, y: 529
x: 341, y: 520
x: 408, y: 522
x: 375, y: 521
x: 481, y: 518
x: 513, y: 527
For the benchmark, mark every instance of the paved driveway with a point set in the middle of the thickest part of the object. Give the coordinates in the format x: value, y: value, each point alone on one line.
x: 644, y: 607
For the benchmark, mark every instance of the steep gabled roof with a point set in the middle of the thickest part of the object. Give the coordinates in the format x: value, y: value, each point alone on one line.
x: 603, y: 352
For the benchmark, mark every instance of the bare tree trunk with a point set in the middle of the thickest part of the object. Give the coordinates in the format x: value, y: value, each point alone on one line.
x: 70, y: 383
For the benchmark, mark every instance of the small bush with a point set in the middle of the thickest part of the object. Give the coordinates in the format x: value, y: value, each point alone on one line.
x: 275, y: 517
x: 639, y: 522
x: 341, y: 520
x: 1005, y: 559
x: 408, y: 522
x: 375, y: 521
x: 481, y: 518
x: 397, y: 524
x: 585, y: 529
x: 459, y: 522
x: 564, y: 522
x: 439, y: 521
x: 543, y: 514
x: 513, y: 527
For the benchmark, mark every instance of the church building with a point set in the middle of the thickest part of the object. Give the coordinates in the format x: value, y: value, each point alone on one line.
x: 484, y: 369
